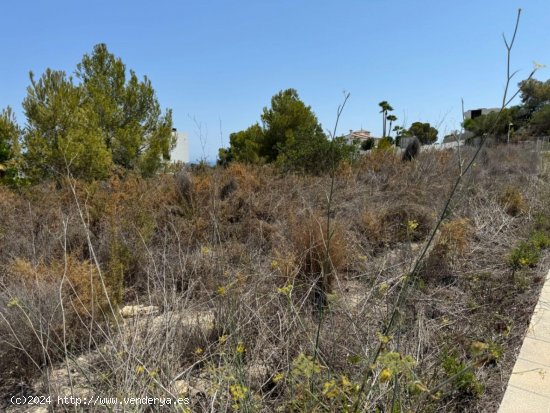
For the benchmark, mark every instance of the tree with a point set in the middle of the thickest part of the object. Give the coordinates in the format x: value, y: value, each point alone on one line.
x: 136, y: 132
x: 87, y: 127
x: 493, y: 124
x: 400, y: 131
x: 245, y: 145
x: 391, y: 118
x: 368, y: 144
x: 287, y: 119
x: 63, y: 132
x: 540, y: 121
x: 534, y: 94
x: 9, y: 134
x: 385, y: 107
x: 288, y: 125
x: 9, y: 144
x: 425, y: 133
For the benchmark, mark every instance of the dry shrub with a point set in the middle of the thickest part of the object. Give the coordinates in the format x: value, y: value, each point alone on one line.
x: 203, y: 187
x: 380, y: 161
x: 184, y: 186
x: 244, y: 176
x: 453, y: 240
x: 512, y: 201
x: 398, y: 223
x: 315, y: 263
x: 455, y: 236
x: 83, y: 290
x: 35, y: 327
x: 344, y: 171
x: 401, y: 223
x: 371, y: 226
x: 125, y: 215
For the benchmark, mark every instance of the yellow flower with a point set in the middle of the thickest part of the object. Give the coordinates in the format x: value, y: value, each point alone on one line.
x: 412, y: 225
x: 286, y: 290
x: 523, y: 261
x: 330, y: 389
x: 385, y: 375
x: 417, y: 387
x: 241, y: 349
x: 199, y: 351
x: 478, y: 347
x: 238, y: 392
x: 140, y: 369
x: 14, y: 301
x: 274, y: 264
x: 383, y: 339
x: 278, y: 377
x: 345, y: 381
x: 223, y: 339
x: 205, y: 250
x: 221, y: 290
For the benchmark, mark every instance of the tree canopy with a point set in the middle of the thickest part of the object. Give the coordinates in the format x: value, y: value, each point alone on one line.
x: 9, y: 144
x: 290, y: 136
x: 286, y: 122
x: 534, y: 94
x: 9, y: 134
x: 104, y: 120
x: 531, y: 117
x: 425, y: 132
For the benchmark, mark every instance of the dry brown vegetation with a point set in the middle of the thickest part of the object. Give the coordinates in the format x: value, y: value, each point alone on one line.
x: 235, y: 260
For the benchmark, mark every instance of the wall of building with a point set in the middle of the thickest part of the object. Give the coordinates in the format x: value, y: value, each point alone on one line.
x: 181, y: 151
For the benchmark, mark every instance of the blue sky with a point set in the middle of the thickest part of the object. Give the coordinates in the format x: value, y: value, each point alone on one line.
x: 217, y: 63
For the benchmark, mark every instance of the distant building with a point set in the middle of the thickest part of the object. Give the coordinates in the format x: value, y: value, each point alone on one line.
x: 461, y: 137
x: 181, y: 151
x: 359, y: 136
x: 476, y: 113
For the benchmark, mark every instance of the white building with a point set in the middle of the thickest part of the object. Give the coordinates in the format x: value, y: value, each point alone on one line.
x: 181, y: 151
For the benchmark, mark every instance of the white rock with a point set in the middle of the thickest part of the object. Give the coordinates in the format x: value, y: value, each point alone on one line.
x: 138, y: 310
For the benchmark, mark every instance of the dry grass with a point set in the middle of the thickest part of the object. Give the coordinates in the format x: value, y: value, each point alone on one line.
x: 234, y: 258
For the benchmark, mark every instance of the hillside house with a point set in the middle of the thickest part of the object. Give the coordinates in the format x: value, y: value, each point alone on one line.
x: 476, y: 113
x: 359, y: 136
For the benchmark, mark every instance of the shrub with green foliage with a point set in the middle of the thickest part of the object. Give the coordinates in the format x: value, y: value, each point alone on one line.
x: 463, y: 377
x: 527, y: 253
x: 385, y: 143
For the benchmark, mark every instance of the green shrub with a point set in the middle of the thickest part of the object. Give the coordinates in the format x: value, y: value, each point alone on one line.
x: 385, y: 144
x: 540, y: 240
x: 463, y: 378
x: 526, y: 254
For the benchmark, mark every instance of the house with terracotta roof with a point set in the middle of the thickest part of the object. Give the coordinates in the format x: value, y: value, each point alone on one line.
x: 359, y: 136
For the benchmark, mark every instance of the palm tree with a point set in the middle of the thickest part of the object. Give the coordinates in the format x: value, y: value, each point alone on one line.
x: 391, y: 118
x: 385, y: 108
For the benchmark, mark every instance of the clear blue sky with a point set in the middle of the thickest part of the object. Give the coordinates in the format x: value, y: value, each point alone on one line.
x: 221, y: 61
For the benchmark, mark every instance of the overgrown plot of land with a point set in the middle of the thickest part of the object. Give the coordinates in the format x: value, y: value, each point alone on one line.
x: 230, y: 265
